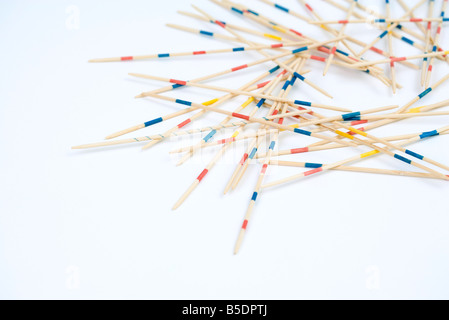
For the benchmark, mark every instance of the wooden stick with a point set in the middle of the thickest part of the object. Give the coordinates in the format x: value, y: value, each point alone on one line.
x: 216, y: 103
x: 347, y: 57
x: 441, y: 131
x: 391, y: 50
x: 237, y: 27
x: 405, y: 116
x: 427, y: 43
x: 389, y: 29
x: 340, y: 33
x: 375, y: 49
x: 354, y: 169
x: 402, y: 109
x: 372, y: 21
x: 269, y: 89
x: 396, y: 147
x: 256, y: 190
x: 396, y: 59
x: 236, y: 92
x: 202, y: 175
x: 197, y: 53
x: 248, y: 156
x: 251, y: 64
x: 402, y: 28
x: 332, y: 166
x: 158, y: 136
x: 437, y: 40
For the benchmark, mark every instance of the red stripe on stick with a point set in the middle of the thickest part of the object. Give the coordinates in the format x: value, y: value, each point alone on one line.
x: 220, y: 24
x: 240, y: 116
x: 180, y: 82
x: 323, y: 49
x: 296, y: 32
x: 245, y: 224
x: 309, y: 173
x: 244, y: 158
x: 263, y: 84
x: 398, y: 59
x: 355, y: 123
x: 126, y: 58
x: 182, y: 124
x: 277, y: 45
x: 318, y: 58
x: 299, y: 150
x: 343, y: 21
x: 416, y: 20
x: 202, y: 175
x: 309, y: 7
x: 199, y: 52
x: 376, y: 50
x: 239, y: 68
x: 264, y: 168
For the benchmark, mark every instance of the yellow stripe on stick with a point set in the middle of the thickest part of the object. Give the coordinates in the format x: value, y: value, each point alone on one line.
x: 279, y: 29
x: 360, y: 132
x: 369, y: 154
x: 272, y: 36
x: 208, y: 103
x: 344, y: 134
x: 415, y: 110
x: 247, y: 103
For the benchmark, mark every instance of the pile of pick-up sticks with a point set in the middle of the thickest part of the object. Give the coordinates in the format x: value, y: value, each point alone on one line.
x: 288, y: 53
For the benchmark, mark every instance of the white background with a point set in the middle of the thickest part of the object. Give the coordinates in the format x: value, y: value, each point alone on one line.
x: 98, y: 224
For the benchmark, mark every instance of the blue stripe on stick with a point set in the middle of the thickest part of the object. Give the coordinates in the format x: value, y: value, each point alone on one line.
x: 303, y: 103
x: 429, y: 134
x: 260, y: 103
x: 350, y: 116
x: 236, y: 10
x: 292, y: 81
x: 405, y: 39
x: 300, y: 77
x: 383, y: 34
x: 304, y: 132
x: 154, y: 121
x: 238, y: 49
x: 397, y: 156
x: 210, y: 135
x: 425, y: 93
x: 272, y: 145
x: 184, y: 102
x: 313, y: 165
x: 342, y: 52
x: 414, y: 154
x: 281, y: 7
x: 300, y: 50
x: 254, y: 197
x: 274, y: 69
x: 253, y: 153
x: 207, y: 33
